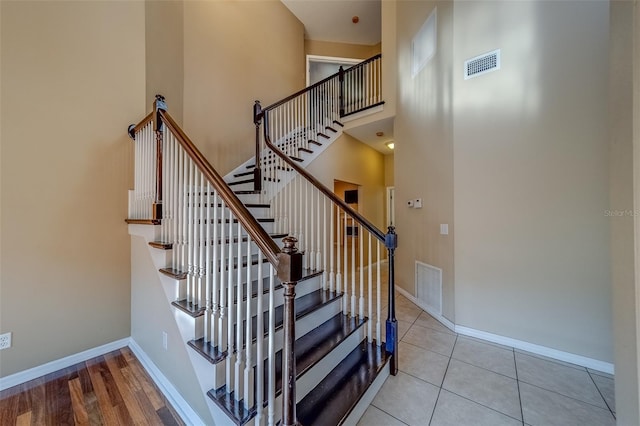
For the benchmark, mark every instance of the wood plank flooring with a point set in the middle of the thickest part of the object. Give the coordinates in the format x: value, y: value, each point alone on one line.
x: 113, y: 389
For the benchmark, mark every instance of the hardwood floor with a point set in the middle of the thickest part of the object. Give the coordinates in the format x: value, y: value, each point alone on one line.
x: 113, y: 389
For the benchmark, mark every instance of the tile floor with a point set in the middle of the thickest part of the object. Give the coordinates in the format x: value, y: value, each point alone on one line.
x: 446, y: 379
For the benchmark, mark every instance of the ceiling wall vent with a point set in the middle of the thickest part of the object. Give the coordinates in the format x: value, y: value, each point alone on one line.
x: 482, y: 64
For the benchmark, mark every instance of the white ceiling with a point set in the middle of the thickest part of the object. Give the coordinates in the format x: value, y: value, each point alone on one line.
x: 367, y: 134
x: 330, y: 20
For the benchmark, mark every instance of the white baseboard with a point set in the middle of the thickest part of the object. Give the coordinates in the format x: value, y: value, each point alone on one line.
x: 184, y: 410
x: 583, y: 361
x: 451, y: 326
x: 44, y: 369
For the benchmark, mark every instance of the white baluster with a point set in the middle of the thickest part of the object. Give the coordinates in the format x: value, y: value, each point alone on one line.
x: 230, y: 360
x: 223, y: 320
x: 311, y: 255
x: 239, y: 355
x: 370, y: 291
x: 361, y: 268
x: 378, y: 338
x: 332, y: 231
x: 259, y: 346
x: 353, y: 268
x: 324, y: 243
x: 272, y: 349
x: 248, y: 370
x: 345, y: 298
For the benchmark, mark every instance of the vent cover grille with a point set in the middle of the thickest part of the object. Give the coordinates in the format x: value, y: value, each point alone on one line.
x: 482, y: 64
x: 429, y: 287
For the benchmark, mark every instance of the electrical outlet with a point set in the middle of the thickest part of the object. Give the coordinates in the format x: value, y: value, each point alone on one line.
x: 5, y: 341
x: 164, y: 340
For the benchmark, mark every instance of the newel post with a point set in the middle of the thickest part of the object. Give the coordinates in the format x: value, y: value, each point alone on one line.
x: 289, y: 273
x: 391, y: 242
x: 341, y: 80
x: 158, y: 105
x: 257, y: 173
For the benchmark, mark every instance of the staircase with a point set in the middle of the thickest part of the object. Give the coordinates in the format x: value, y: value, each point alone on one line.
x: 278, y: 282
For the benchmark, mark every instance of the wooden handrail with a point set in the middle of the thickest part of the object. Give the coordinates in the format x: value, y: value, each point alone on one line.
x: 326, y: 191
x: 321, y: 82
x: 262, y: 239
x: 142, y: 123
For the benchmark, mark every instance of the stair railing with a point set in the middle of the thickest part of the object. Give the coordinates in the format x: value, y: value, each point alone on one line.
x: 217, y: 245
x: 332, y: 235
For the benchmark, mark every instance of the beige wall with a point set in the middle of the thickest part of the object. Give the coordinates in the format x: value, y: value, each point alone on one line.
x: 151, y: 315
x: 532, y: 175
x: 164, y: 54
x: 621, y: 199
x: 423, y: 132
x: 349, y: 160
x: 389, y: 164
x: 71, y: 84
x: 341, y: 50
x: 233, y: 56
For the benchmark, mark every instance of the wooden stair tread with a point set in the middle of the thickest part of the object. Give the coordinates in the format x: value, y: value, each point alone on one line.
x: 331, y: 129
x: 240, y: 182
x: 143, y: 221
x: 189, y: 308
x: 181, y: 275
x: 174, y: 273
x: 310, y: 349
x: 324, y: 135
x: 209, y: 352
x: 313, y: 346
x: 160, y: 245
x: 338, y: 123
x: 305, y: 150
x: 237, y: 175
x: 332, y: 400
x: 299, y: 160
x: 315, y: 142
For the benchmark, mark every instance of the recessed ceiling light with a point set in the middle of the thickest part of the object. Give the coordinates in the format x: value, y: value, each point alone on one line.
x: 391, y: 145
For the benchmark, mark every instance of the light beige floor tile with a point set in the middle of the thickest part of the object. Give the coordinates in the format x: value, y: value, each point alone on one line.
x: 564, y: 380
x: 408, y: 399
x: 430, y: 339
x: 545, y: 408
x: 376, y: 417
x: 486, y: 356
x: 546, y: 358
x: 421, y: 363
x: 453, y: 410
x: 408, y: 313
x: 606, y: 387
x: 484, y: 387
x: 486, y: 342
x: 426, y: 320
x: 600, y: 373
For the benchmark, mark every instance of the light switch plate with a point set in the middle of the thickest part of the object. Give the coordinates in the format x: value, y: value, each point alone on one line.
x: 444, y: 229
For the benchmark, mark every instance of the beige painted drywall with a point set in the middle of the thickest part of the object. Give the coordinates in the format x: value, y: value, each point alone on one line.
x: 423, y: 133
x: 233, y: 56
x: 388, y: 10
x: 151, y: 315
x: 531, y: 159
x: 341, y: 50
x: 70, y: 86
x: 164, y: 54
x: 621, y: 200
x: 349, y: 160
x: 389, y: 165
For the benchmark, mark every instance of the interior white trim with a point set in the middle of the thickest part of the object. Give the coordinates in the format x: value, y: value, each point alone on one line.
x: 583, y: 361
x: 49, y: 367
x: 179, y: 404
x: 329, y: 59
x: 451, y: 326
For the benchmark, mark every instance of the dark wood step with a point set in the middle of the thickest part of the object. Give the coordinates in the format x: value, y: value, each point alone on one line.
x: 246, y: 192
x: 160, y: 245
x: 323, y: 135
x: 174, y: 273
x: 189, y: 308
x: 310, y: 349
x: 308, y: 304
x: 333, y: 399
x: 316, y: 344
x: 311, y: 141
x: 338, y: 123
x: 331, y: 129
x: 237, y: 175
x: 305, y: 150
x: 181, y: 275
x: 299, y: 160
x: 240, y: 182
x: 143, y: 221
